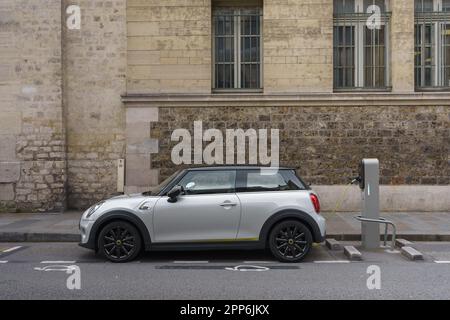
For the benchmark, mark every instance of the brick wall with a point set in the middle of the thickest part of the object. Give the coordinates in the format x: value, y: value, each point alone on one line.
x: 327, y: 143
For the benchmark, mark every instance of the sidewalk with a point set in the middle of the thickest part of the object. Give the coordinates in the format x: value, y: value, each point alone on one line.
x: 54, y: 227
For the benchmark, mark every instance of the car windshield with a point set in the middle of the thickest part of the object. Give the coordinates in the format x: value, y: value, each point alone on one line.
x: 157, y: 189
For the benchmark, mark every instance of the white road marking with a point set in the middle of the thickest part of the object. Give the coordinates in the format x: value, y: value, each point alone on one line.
x: 191, y: 261
x: 50, y: 262
x: 12, y: 249
x: 442, y: 261
x: 332, y: 261
x: 256, y: 262
x: 3, y: 261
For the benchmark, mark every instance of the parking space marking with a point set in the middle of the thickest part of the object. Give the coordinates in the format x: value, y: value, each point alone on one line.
x: 11, y: 249
x: 256, y: 262
x: 3, y: 261
x: 186, y: 261
x: 332, y: 261
x: 442, y: 261
x: 59, y: 261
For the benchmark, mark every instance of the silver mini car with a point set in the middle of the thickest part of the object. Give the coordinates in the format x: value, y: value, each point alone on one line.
x: 224, y: 207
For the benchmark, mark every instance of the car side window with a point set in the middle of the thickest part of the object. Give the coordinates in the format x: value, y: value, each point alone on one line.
x: 253, y: 180
x: 207, y: 182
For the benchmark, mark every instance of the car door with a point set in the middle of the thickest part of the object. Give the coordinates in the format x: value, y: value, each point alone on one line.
x: 209, y: 209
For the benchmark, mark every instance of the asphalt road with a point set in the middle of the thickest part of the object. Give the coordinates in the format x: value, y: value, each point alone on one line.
x: 203, y: 275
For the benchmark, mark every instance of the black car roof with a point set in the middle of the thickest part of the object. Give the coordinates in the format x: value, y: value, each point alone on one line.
x: 236, y: 167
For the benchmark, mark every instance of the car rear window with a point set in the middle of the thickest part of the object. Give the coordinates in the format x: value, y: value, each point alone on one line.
x: 281, y: 180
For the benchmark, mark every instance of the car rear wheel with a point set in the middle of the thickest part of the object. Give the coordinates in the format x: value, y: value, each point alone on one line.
x: 119, y: 241
x: 290, y: 241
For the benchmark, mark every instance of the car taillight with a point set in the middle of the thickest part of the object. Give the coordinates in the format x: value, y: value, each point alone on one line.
x: 315, y: 202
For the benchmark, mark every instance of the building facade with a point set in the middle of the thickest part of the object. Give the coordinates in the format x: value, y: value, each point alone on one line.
x: 342, y: 80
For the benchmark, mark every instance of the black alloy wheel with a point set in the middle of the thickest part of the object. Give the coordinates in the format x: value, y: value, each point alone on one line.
x: 290, y: 241
x: 119, y: 241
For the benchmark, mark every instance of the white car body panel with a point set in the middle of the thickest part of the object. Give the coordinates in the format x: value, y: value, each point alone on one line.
x: 257, y: 207
x: 197, y: 217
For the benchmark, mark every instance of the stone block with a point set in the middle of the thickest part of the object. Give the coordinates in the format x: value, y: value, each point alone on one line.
x: 9, y: 171
x: 400, y: 243
x: 352, y: 253
x: 6, y: 192
x: 138, y: 161
x: 136, y: 115
x: 146, y: 146
x: 10, y: 122
x: 333, y: 244
x: 7, y: 147
x: 141, y: 177
x: 411, y: 253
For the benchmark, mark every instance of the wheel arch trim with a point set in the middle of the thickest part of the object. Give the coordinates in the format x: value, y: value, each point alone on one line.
x: 119, y: 215
x: 291, y: 214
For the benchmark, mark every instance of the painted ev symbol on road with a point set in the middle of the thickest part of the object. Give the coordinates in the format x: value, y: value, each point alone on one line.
x: 247, y: 268
x: 74, y: 279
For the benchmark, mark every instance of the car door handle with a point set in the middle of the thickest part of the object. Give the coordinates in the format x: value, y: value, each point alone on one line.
x: 228, y: 204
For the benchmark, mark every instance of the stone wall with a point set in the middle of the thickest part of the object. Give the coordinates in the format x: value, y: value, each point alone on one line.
x: 169, y: 46
x: 94, y: 74
x: 298, y: 46
x: 32, y: 143
x: 327, y: 143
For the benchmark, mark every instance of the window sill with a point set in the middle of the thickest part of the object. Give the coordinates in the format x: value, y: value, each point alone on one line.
x: 432, y: 89
x: 362, y: 90
x: 236, y: 91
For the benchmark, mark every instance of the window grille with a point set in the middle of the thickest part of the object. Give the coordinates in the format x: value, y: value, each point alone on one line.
x: 361, y: 49
x: 237, y: 48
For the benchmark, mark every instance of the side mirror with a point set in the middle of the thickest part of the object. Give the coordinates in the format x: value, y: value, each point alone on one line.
x: 174, y: 193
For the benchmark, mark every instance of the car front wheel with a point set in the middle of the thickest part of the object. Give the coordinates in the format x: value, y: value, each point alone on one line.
x: 290, y: 241
x: 119, y: 241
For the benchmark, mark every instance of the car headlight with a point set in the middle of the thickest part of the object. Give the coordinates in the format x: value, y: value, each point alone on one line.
x: 94, y: 208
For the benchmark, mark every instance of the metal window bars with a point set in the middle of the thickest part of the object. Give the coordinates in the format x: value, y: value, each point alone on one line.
x: 361, y: 54
x: 237, y: 48
x: 432, y: 48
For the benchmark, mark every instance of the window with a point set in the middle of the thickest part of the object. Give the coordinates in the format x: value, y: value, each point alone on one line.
x: 282, y: 180
x: 203, y: 182
x: 432, y: 44
x: 361, y: 58
x: 237, y: 48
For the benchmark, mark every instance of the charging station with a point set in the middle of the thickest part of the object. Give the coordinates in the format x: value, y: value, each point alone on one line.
x: 369, y: 177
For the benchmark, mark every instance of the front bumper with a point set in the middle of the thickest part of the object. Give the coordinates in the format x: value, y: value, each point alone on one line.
x: 85, y: 230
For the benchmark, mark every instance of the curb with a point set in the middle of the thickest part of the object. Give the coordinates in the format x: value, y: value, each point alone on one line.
x: 38, y: 237
x: 410, y: 237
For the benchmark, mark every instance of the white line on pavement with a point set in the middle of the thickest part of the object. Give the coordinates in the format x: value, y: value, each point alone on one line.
x: 191, y: 262
x: 256, y: 262
x: 332, y: 261
x: 12, y: 249
x: 47, y: 262
x: 442, y: 261
x: 3, y: 261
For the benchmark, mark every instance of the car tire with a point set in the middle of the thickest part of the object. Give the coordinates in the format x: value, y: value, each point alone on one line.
x: 290, y: 241
x: 119, y: 241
